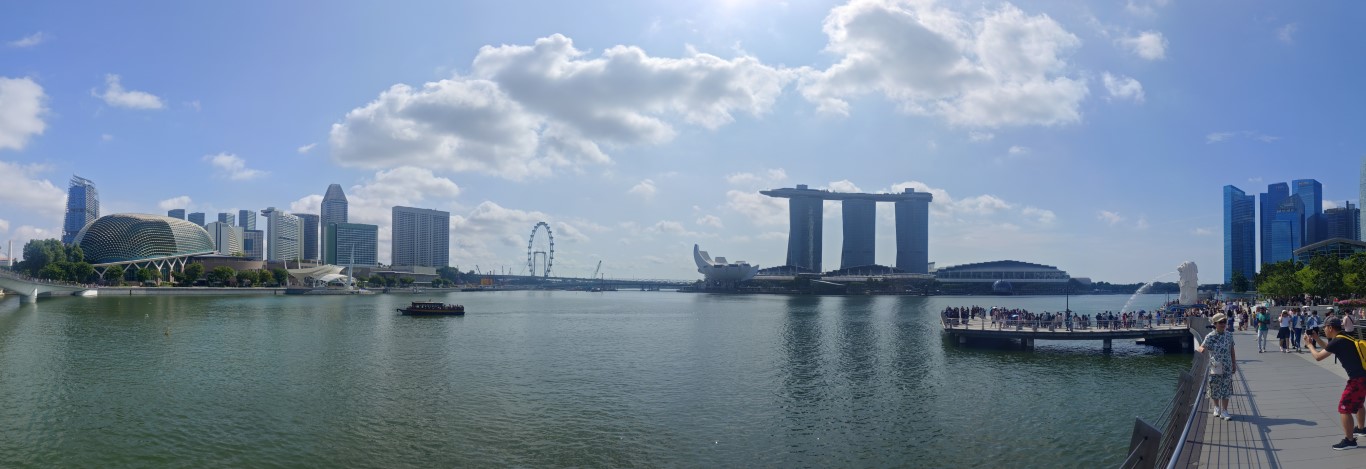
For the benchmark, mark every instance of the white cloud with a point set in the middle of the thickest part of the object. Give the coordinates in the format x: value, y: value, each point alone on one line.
x: 306, y: 148
x: 233, y: 167
x: 29, y: 40
x: 1041, y: 216
x: 525, y: 110
x: 1150, y: 45
x: 1327, y: 204
x: 4, y: 226
x: 372, y: 200
x: 23, y: 190
x: 843, y: 186
x: 308, y: 204
x: 980, y: 136
x: 1018, y: 150
x: 1144, y: 8
x: 1202, y: 232
x: 175, y: 202
x: 710, y: 220
x: 645, y: 189
x: 1110, y: 218
x: 758, y: 208
x: 1122, y: 87
x: 985, y: 69
x: 1219, y: 137
x: 1287, y: 33
x: 115, y: 95
x: 768, y: 178
x: 23, y: 234
x: 22, y: 107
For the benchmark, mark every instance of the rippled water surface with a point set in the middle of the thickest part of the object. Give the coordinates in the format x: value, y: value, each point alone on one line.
x: 551, y: 379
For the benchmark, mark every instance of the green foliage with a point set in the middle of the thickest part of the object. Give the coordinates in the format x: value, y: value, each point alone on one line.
x: 54, y: 271
x: 281, y: 276
x: 1280, y: 279
x: 222, y: 275
x: 1354, y: 273
x: 81, y: 272
x: 451, y: 274
x: 1238, y: 282
x: 1322, y: 277
x: 246, y: 278
x: 39, y: 253
x: 406, y: 281
x: 114, y: 275
x: 148, y: 275
x: 192, y: 273
x: 376, y: 281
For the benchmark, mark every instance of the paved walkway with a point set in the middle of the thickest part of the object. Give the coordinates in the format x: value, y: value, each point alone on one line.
x: 1284, y: 408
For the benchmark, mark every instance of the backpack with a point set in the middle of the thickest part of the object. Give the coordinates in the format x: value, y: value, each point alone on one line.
x: 1360, y: 346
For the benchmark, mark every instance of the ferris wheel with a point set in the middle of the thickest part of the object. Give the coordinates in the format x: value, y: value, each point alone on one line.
x: 532, y: 255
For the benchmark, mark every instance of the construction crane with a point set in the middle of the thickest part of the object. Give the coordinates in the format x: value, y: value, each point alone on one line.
x: 596, y: 269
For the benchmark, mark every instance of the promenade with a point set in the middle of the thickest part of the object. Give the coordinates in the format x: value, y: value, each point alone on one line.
x: 1284, y: 408
x: 1026, y: 332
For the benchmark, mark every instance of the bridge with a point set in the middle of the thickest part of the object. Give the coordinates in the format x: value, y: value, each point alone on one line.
x: 29, y: 288
x: 574, y: 283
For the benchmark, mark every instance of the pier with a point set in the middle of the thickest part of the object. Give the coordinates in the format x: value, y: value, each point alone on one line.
x: 964, y: 332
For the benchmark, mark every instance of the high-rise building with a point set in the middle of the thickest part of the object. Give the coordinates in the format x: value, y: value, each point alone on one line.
x: 246, y: 219
x: 284, y: 233
x: 253, y: 244
x: 1310, y: 193
x: 1240, y: 234
x: 913, y: 233
x: 420, y: 237
x: 311, y: 235
x: 334, y: 210
x: 176, y: 213
x: 1343, y: 222
x: 805, y: 208
x: 227, y: 239
x: 1287, y: 230
x: 1270, y: 202
x: 227, y: 218
x: 860, y: 230
x: 352, y: 244
x: 196, y: 218
x: 82, y: 207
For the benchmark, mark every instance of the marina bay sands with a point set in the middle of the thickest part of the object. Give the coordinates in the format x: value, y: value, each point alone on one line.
x: 860, y: 222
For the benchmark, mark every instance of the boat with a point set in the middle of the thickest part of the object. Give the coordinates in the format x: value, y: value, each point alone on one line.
x: 432, y: 308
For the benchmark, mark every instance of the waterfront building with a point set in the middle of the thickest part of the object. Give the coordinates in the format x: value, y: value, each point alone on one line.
x: 1343, y: 222
x: 311, y: 235
x: 196, y: 218
x: 1270, y: 203
x: 420, y: 237
x: 176, y: 213
x: 142, y: 241
x: 227, y: 218
x: 805, y: 210
x: 1240, y: 242
x: 227, y: 239
x: 283, y: 235
x: 1339, y: 248
x: 254, y: 244
x: 352, y: 244
x: 246, y: 219
x: 82, y: 207
x: 1021, y: 277
x: 333, y: 210
x: 720, y: 273
x: 1287, y: 230
x: 1310, y: 192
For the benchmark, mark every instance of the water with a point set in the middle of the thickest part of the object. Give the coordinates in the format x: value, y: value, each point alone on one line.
x: 1128, y: 305
x: 557, y: 379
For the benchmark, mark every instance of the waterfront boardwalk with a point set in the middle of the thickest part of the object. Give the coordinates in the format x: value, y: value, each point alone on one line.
x: 1027, y: 332
x: 1284, y: 408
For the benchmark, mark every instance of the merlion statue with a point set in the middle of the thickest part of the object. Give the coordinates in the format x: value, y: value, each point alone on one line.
x: 1188, y: 282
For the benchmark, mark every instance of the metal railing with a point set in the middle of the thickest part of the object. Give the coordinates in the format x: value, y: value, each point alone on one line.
x: 1164, y: 444
x: 1052, y: 325
x: 17, y: 275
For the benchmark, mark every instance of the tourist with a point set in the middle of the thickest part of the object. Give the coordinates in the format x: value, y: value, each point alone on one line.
x: 1313, y: 324
x: 1223, y: 364
x: 1261, y: 325
x: 1283, y: 334
x: 1297, y: 327
x: 1354, y: 394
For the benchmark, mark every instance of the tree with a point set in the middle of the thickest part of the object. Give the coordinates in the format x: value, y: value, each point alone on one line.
x: 55, y: 271
x: 406, y: 281
x: 1238, y: 282
x: 192, y: 273
x: 246, y: 278
x: 1354, y: 273
x: 81, y: 272
x: 148, y: 274
x: 38, y: 253
x: 221, y: 275
x: 114, y: 275
x: 375, y: 281
x: 281, y: 276
x: 1322, y: 277
x: 1279, y: 280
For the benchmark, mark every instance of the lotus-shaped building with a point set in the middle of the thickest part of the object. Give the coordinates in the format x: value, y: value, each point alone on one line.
x: 134, y: 238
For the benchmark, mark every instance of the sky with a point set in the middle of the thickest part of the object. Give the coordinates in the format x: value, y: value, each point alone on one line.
x: 1091, y: 136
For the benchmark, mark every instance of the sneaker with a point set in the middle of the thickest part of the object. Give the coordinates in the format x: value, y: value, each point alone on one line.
x: 1359, y: 432
x: 1345, y: 444
x: 1223, y: 414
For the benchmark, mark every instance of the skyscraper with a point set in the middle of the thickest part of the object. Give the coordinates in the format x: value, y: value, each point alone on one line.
x: 311, y: 235
x: 1310, y: 193
x: 283, y: 236
x: 176, y: 213
x: 421, y: 237
x: 334, y: 208
x: 1287, y: 230
x: 82, y: 207
x: 1343, y: 222
x: 860, y: 226
x: 1271, y: 201
x: 253, y: 244
x: 227, y: 218
x: 1240, y: 233
x: 352, y: 244
x: 227, y: 239
x: 246, y: 219
x: 196, y: 218
x: 913, y: 234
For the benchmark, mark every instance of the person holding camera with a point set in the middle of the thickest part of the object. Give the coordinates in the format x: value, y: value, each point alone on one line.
x: 1223, y: 364
x: 1354, y: 395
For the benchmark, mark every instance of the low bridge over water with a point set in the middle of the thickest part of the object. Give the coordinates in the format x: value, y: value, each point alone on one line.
x: 1026, y: 332
x: 29, y: 288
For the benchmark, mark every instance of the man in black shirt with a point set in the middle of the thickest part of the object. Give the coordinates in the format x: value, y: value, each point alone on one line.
x: 1354, y: 394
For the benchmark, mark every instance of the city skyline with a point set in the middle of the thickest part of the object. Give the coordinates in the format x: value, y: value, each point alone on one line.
x: 1100, y: 149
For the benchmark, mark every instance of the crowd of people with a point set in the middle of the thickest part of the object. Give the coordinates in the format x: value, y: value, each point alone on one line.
x: 1006, y: 318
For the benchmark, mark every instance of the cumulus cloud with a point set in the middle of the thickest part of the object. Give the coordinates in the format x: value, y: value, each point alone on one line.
x: 768, y: 178
x: 4, y: 225
x: 115, y: 95
x: 992, y: 68
x: 1110, y: 218
x: 22, y: 189
x: 306, y: 148
x: 1122, y: 87
x: 1150, y: 45
x: 980, y: 136
x: 710, y: 220
x: 372, y: 200
x: 29, y: 40
x: 1287, y: 33
x: 525, y: 110
x: 490, y: 232
x: 645, y: 188
x: 1040, y: 215
x: 1144, y: 8
x: 233, y: 167
x: 1327, y: 204
x: 22, y: 107
x: 843, y: 185
x: 758, y: 208
x: 1018, y: 150
x: 175, y: 202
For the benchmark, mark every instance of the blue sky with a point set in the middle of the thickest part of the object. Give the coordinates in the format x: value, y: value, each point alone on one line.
x: 1092, y: 137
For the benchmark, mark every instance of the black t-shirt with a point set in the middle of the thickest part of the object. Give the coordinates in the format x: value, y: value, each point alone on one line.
x: 1346, y: 351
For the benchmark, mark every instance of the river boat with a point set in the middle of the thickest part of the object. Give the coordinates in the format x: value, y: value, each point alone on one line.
x: 432, y: 308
